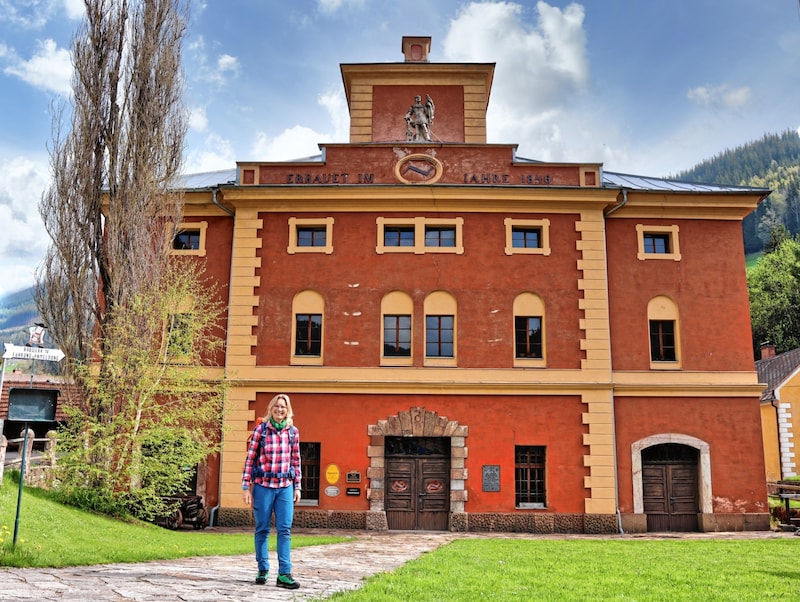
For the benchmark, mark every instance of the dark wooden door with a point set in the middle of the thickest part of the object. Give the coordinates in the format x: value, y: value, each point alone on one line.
x: 670, y: 495
x: 418, y: 493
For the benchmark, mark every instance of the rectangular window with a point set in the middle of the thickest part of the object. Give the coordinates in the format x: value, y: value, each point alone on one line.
x: 310, y: 467
x: 312, y: 236
x: 309, y: 334
x: 186, y: 240
x: 662, y: 341
x: 526, y: 238
x: 439, y: 336
x: 398, y: 236
x: 397, y: 336
x: 528, y: 336
x: 529, y: 476
x: 656, y: 243
x: 440, y: 236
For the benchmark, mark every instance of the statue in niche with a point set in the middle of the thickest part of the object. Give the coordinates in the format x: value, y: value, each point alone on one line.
x: 419, y: 120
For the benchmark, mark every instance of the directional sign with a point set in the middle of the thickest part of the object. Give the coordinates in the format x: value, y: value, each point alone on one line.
x: 19, y: 352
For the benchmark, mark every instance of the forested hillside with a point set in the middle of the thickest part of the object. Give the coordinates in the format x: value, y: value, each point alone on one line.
x: 17, y: 313
x: 772, y: 162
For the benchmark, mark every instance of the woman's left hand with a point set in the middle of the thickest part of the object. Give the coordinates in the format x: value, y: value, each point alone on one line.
x: 296, y: 495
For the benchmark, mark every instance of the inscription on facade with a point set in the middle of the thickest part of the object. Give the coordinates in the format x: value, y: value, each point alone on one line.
x: 504, y: 178
x: 330, y: 178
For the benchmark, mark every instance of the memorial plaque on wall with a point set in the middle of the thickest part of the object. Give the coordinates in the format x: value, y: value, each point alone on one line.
x: 491, y: 477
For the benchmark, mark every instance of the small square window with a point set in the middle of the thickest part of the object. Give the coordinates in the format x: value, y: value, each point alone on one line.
x: 440, y: 236
x: 186, y: 240
x: 310, y: 236
x: 526, y: 238
x: 658, y: 242
x: 398, y: 236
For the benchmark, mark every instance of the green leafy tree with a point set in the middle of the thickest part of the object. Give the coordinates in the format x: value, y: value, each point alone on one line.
x: 774, y: 287
x: 160, y: 409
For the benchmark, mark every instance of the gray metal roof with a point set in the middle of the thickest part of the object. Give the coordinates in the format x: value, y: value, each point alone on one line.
x: 620, y: 180
x: 205, y: 180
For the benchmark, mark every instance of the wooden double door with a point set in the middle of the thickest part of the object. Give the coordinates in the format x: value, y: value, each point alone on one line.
x: 417, y: 483
x: 670, y: 487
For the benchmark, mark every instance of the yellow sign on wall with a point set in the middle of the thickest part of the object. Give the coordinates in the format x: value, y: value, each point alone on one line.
x: 332, y: 474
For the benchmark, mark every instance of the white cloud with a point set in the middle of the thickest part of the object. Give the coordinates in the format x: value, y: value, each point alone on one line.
x: 540, y: 70
x: 331, y: 6
x: 227, y: 63
x: 722, y: 96
x: 75, y: 9
x: 293, y: 143
x: 198, y: 120
x: 335, y: 104
x: 214, y: 154
x: 24, y: 240
x: 50, y: 69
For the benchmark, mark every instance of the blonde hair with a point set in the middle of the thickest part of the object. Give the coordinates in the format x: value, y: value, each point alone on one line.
x: 289, y: 412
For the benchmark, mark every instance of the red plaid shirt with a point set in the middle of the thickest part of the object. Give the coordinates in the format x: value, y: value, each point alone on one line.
x: 280, y: 452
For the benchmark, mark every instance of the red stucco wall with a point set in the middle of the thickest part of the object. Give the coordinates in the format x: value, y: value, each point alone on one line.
x: 496, y: 425
x: 483, y: 281
x: 708, y: 285
x: 730, y: 426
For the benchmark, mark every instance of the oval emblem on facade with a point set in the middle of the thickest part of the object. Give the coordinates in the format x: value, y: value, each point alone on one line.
x: 418, y: 169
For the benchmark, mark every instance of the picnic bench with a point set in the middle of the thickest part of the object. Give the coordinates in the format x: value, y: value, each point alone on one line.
x: 787, y: 491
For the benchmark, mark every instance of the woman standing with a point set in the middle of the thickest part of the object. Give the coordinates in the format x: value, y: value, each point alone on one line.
x: 271, y: 484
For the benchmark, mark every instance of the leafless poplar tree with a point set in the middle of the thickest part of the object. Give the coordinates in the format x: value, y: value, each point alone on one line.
x: 109, y: 200
x: 136, y: 325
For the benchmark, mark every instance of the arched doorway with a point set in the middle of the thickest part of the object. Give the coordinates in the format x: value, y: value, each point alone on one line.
x: 670, y: 487
x: 417, y: 452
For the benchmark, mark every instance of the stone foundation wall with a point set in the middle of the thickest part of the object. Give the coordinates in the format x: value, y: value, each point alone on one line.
x: 499, y: 522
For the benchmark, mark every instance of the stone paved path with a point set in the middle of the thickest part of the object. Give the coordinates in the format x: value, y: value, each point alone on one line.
x: 321, y: 570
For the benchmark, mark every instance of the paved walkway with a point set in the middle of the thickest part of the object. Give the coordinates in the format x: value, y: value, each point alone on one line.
x: 321, y: 570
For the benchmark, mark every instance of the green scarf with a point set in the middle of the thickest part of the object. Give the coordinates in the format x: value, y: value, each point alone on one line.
x: 278, y: 425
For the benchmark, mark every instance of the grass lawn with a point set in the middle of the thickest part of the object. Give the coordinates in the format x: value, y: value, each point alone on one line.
x: 52, y: 535
x: 591, y: 569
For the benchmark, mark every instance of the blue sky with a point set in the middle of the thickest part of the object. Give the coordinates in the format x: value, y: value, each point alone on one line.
x: 648, y: 87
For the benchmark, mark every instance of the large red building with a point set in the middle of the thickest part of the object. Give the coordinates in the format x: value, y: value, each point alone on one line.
x: 476, y: 341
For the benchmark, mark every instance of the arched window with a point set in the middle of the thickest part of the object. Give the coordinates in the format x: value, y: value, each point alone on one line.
x: 307, y: 309
x: 440, y: 329
x: 664, y: 332
x: 529, y: 340
x: 397, y: 309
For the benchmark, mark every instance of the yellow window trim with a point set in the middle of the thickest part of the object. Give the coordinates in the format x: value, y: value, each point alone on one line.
x: 419, y: 223
x: 297, y: 222
x: 672, y: 231
x: 542, y: 224
x: 172, y: 231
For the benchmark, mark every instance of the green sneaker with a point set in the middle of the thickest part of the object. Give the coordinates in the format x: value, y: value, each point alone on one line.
x: 287, y: 582
x: 261, y: 578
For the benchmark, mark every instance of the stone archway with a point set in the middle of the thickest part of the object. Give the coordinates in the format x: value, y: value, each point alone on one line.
x: 416, y: 422
x: 704, y: 468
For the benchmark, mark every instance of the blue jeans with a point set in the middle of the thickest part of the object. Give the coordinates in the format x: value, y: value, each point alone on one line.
x: 267, y: 500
